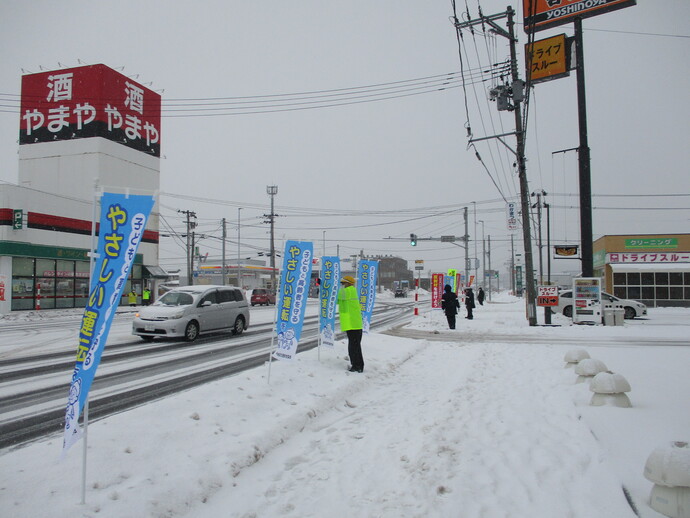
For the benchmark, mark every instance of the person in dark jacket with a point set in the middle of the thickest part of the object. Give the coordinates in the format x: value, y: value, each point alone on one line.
x: 469, y: 303
x: 480, y: 296
x: 450, y: 305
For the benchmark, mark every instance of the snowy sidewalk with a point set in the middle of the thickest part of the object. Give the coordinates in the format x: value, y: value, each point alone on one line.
x: 468, y: 427
x: 453, y: 431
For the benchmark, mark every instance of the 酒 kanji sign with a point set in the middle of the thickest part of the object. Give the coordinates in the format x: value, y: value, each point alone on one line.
x: 89, y: 101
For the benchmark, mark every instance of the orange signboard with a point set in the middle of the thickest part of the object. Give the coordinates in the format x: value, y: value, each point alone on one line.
x: 547, y: 59
x: 544, y: 14
x: 547, y: 296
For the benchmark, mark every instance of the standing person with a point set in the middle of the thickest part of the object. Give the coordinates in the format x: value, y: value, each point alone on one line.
x: 146, y: 297
x: 351, y: 322
x: 469, y: 303
x: 450, y: 305
x: 480, y: 296
x: 132, y: 298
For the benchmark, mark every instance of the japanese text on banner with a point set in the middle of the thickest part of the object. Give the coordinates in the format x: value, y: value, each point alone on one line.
x: 328, y: 297
x: 122, y: 224
x: 294, y: 291
x: 367, y: 271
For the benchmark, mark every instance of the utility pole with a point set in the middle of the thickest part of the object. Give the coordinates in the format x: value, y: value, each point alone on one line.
x: 548, y: 243
x: 504, y: 94
x: 512, y: 264
x: 191, y: 225
x: 272, y: 190
x: 583, y: 159
x: 490, y: 270
x: 540, y: 203
x: 524, y: 189
x: 537, y: 205
x: 467, y: 257
x: 483, y: 254
x: 476, y: 262
x: 225, y: 235
x: 239, y: 262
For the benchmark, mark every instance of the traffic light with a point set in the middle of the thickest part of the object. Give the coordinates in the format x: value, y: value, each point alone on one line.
x: 413, y: 239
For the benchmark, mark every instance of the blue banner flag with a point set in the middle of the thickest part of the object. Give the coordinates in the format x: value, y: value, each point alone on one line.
x: 122, y: 224
x: 328, y: 298
x: 294, y: 291
x: 367, y: 271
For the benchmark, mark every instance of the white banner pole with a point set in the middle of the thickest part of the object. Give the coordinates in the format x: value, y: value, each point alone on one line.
x: 273, y: 334
x: 92, y: 258
x: 84, y: 450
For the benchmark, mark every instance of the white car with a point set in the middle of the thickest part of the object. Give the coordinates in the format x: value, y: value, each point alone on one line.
x: 192, y: 311
x: 632, y: 307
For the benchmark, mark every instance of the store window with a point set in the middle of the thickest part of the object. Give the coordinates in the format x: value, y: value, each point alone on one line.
x: 675, y: 292
x: 22, y: 267
x: 22, y: 283
x: 648, y: 292
x: 22, y: 293
x: 52, y: 284
x: 654, y: 288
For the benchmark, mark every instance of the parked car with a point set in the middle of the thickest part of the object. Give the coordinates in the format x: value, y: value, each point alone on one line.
x: 262, y: 297
x: 191, y: 311
x: 632, y: 307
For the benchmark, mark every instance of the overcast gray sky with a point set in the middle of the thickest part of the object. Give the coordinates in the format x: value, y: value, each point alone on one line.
x: 375, y: 145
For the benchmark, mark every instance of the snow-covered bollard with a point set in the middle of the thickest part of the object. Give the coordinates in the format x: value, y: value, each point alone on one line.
x: 669, y: 468
x: 588, y: 368
x: 575, y: 356
x: 609, y: 387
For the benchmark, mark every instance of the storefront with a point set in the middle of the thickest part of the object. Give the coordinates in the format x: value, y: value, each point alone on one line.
x: 654, y: 269
x: 54, y: 278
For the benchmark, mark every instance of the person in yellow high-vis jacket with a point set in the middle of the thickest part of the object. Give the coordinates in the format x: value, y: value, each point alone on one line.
x: 351, y: 322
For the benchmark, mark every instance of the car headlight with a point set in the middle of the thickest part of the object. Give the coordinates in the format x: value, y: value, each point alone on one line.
x: 176, y: 315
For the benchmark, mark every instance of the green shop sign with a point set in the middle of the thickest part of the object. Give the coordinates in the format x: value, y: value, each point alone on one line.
x: 20, y: 249
x: 654, y: 242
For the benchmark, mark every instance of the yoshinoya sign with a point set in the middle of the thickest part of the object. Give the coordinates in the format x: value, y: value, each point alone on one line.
x: 90, y: 101
x: 544, y: 14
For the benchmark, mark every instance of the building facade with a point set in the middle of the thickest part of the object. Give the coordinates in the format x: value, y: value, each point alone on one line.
x: 83, y: 131
x: 651, y: 268
x: 391, y: 270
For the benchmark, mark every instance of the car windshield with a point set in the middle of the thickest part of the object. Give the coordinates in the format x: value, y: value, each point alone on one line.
x: 175, y: 298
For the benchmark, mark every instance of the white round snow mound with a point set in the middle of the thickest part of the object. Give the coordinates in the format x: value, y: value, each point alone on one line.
x: 669, y: 465
x: 609, y: 383
x: 575, y: 355
x: 590, y: 367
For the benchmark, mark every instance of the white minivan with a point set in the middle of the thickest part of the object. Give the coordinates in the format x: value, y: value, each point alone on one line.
x: 191, y: 311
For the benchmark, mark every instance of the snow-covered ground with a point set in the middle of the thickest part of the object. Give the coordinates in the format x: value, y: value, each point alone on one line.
x: 455, y: 425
